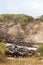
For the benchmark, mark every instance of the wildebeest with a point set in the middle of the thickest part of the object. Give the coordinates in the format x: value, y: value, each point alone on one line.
x: 16, y: 51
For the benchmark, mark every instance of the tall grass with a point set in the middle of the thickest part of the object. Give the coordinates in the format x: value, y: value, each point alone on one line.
x: 2, y: 51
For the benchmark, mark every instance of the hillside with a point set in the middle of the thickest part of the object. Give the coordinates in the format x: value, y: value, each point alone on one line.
x: 20, y: 29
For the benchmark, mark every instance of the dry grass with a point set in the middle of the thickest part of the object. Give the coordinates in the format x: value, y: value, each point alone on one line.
x: 24, y: 61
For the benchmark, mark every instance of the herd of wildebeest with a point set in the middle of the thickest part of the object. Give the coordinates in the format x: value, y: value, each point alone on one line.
x: 20, y: 51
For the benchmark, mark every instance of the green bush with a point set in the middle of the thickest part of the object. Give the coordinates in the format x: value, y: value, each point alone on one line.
x: 39, y: 19
x: 40, y: 50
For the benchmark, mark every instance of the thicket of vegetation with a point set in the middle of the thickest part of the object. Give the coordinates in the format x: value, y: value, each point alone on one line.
x: 40, y: 50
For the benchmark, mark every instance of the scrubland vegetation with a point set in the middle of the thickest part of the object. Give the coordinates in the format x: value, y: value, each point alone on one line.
x: 19, y: 18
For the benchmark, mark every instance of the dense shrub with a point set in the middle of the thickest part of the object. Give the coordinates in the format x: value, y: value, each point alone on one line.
x: 40, y: 50
x: 39, y: 19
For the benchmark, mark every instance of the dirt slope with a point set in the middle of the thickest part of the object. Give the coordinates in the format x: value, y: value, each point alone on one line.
x: 17, y: 33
